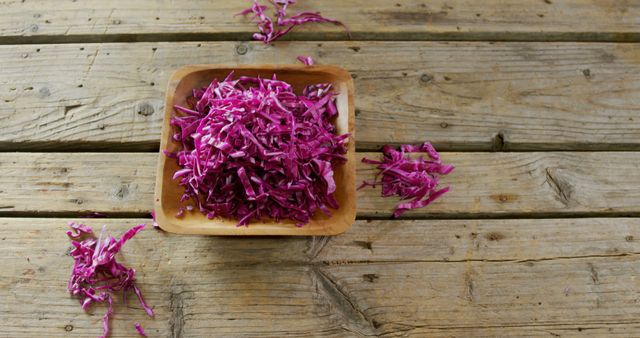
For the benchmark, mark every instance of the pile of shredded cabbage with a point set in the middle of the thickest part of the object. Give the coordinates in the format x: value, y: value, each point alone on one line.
x: 269, y: 31
x: 252, y: 148
x: 96, y: 274
x: 410, y: 178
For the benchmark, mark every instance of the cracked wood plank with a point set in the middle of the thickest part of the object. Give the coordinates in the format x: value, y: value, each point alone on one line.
x: 460, y: 95
x: 202, y: 286
x: 410, y: 296
x: 177, y: 296
x: 560, y: 186
x: 93, y: 20
x: 483, y: 184
x: 576, y: 330
x: 519, y: 240
x: 353, y: 319
x: 389, y: 241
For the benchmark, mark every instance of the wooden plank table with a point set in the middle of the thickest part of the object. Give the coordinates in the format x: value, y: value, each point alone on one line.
x: 535, y: 102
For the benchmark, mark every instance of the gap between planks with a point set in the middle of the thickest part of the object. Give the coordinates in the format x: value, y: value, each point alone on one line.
x: 586, y: 37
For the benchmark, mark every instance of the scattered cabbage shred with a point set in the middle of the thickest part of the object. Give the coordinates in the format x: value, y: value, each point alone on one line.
x: 253, y: 148
x: 270, y: 31
x: 307, y: 60
x: 411, y: 179
x: 140, y: 330
x: 154, y: 223
x: 96, y: 274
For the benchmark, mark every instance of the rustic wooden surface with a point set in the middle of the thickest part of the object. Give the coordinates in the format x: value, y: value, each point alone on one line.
x: 538, y: 238
x: 388, y: 278
x: 460, y: 95
x: 121, y: 20
x: 483, y: 184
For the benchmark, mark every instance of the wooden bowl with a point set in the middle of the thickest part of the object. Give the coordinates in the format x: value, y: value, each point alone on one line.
x: 168, y: 191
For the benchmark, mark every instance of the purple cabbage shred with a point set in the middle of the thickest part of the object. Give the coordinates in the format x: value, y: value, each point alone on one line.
x: 253, y: 148
x: 96, y: 274
x: 270, y: 31
x: 154, y: 223
x: 414, y: 179
x: 140, y: 330
x: 306, y: 60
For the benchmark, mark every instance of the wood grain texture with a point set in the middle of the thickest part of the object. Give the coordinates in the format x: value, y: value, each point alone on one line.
x: 461, y: 96
x: 388, y: 241
x: 94, y: 20
x: 574, y: 278
x: 484, y: 184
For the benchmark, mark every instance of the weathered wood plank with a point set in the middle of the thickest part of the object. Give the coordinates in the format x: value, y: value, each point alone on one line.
x: 478, y: 240
x: 525, y: 184
x: 461, y: 96
x: 400, y: 297
x: 93, y: 20
x: 204, y: 286
x: 598, y: 330
x: 384, y: 241
x: 484, y: 184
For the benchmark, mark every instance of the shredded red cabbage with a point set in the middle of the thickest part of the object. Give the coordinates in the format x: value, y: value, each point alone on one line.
x: 96, y: 274
x: 415, y: 179
x: 154, y: 223
x: 253, y: 148
x: 140, y: 330
x: 307, y: 60
x: 270, y: 32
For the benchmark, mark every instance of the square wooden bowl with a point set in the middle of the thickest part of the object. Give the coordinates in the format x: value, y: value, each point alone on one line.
x: 168, y: 191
